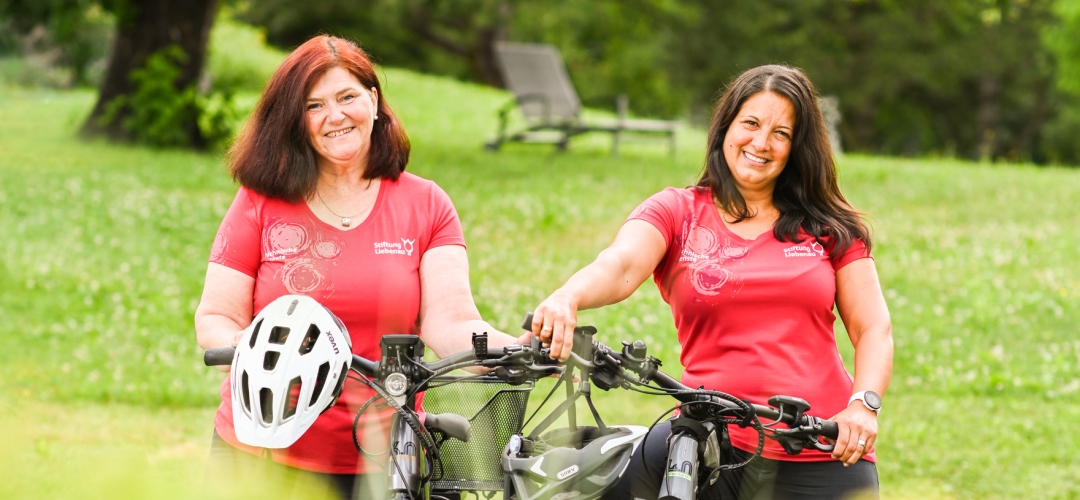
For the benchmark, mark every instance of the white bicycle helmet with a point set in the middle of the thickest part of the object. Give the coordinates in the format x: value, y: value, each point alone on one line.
x: 581, y: 464
x: 289, y: 367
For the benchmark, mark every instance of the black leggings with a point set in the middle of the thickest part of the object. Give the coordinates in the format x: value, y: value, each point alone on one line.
x: 761, y: 479
x: 230, y: 471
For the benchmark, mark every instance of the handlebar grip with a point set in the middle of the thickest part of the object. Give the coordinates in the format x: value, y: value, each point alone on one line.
x: 219, y: 356
x: 830, y: 429
x: 451, y: 424
x: 527, y: 323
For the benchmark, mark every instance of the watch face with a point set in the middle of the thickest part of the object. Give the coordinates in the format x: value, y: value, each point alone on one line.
x: 872, y: 400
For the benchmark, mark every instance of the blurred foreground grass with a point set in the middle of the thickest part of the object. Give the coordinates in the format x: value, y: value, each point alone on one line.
x: 88, y: 450
x: 103, y: 394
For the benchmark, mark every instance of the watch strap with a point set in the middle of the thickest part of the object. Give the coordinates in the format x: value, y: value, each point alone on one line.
x: 861, y: 396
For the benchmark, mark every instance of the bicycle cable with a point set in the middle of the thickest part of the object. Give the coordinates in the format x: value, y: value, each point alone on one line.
x: 356, y: 424
x: 427, y: 441
x: 644, y: 388
x: 408, y: 415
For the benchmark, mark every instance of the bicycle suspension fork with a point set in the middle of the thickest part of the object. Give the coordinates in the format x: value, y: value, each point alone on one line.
x: 403, y: 465
x: 692, y: 444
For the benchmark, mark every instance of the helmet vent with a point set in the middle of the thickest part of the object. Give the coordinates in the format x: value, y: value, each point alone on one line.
x: 283, y: 373
x: 309, y: 340
x: 341, y: 380
x: 293, y: 398
x: 266, y: 404
x: 245, y: 389
x: 270, y: 360
x: 278, y: 335
x: 320, y: 381
x: 608, y: 467
x: 255, y: 334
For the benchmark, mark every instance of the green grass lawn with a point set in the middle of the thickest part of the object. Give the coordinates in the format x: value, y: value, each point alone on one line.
x: 102, y: 391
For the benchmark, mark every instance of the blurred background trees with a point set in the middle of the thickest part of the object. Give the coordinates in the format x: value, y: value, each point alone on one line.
x: 149, y: 90
x: 975, y: 79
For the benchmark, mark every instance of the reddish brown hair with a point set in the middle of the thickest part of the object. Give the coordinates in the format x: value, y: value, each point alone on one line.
x: 807, y: 192
x: 273, y: 155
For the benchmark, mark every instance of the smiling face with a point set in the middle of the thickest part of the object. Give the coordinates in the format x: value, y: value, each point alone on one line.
x: 340, y: 116
x: 758, y: 142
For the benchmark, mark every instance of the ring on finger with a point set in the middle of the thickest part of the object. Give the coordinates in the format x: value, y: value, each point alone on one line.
x: 862, y: 443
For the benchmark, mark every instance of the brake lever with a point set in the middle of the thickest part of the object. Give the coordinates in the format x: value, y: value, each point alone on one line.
x: 815, y: 427
x: 796, y: 440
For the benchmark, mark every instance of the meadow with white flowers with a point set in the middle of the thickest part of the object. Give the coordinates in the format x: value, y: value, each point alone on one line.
x: 105, y: 247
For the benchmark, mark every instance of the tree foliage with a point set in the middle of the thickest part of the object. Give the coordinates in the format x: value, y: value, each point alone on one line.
x: 915, y: 77
x: 433, y: 36
x: 72, y: 34
x: 1058, y: 138
x: 146, y: 28
x: 157, y: 113
x: 981, y: 79
x: 158, y: 48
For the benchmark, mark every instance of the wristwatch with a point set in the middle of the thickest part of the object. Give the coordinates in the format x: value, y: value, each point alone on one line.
x: 870, y: 400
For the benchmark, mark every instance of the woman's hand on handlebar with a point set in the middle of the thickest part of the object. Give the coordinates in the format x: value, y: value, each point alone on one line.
x: 553, y: 323
x: 615, y: 274
x: 858, y: 432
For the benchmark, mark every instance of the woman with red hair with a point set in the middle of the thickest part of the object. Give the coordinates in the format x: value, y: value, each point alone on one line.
x: 325, y: 209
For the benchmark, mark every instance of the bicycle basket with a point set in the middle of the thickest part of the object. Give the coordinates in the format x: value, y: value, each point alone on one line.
x: 496, y: 411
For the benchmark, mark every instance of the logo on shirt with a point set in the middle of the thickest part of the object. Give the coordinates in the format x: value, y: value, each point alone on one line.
x: 812, y: 250
x: 283, y: 241
x: 280, y: 254
x: 386, y: 247
x: 688, y: 256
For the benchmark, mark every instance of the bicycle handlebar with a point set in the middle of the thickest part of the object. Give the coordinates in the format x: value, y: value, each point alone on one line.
x: 787, y: 409
x: 524, y: 362
x: 218, y: 356
x: 516, y: 364
x: 607, y: 367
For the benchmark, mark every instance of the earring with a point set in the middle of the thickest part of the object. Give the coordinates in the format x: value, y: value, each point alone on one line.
x: 374, y: 117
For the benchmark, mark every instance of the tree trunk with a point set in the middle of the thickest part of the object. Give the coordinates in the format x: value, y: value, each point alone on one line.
x: 476, y: 41
x: 1035, y: 122
x: 482, y: 60
x: 987, y: 117
x: 143, y: 28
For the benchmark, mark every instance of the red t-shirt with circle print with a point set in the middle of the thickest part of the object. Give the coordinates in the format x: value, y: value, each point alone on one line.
x: 368, y: 275
x: 754, y: 317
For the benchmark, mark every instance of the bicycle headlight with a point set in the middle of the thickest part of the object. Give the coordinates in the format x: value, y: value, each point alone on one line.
x: 396, y: 384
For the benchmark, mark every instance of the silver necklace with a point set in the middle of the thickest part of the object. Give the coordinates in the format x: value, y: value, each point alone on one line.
x: 346, y: 220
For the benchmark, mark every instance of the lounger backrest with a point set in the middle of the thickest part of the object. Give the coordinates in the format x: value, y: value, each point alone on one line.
x: 534, y: 70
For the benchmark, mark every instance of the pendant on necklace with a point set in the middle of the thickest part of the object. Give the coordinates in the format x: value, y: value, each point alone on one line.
x: 345, y: 221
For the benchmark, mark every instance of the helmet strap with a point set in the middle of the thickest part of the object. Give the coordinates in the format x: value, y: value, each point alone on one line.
x: 569, y: 405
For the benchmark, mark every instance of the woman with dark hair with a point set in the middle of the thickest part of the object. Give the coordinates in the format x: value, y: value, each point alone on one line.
x: 325, y: 209
x: 752, y: 261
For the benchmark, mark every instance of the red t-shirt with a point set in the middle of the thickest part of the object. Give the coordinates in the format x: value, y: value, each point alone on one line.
x: 369, y: 276
x: 754, y: 317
